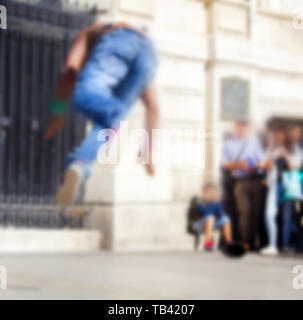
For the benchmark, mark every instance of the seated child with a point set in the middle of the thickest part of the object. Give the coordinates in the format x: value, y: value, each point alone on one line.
x: 212, y: 217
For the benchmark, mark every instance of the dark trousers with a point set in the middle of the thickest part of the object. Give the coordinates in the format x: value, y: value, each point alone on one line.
x: 247, y: 193
x: 230, y: 208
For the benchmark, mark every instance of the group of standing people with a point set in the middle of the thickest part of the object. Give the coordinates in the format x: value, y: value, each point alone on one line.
x: 254, y: 185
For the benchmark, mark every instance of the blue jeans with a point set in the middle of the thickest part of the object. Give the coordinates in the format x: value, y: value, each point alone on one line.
x: 119, y: 69
x: 199, y: 225
x: 273, y: 200
x: 289, y: 225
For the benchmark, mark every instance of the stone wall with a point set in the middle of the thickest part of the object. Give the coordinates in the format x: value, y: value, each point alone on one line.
x: 258, y: 43
x: 200, y: 43
x: 149, y: 213
x: 199, y: 46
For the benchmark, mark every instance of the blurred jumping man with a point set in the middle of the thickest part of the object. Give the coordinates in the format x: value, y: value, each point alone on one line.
x: 108, y: 69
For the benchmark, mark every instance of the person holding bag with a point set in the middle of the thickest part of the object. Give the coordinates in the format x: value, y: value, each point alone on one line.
x: 242, y: 155
x: 292, y: 188
x: 279, y: 161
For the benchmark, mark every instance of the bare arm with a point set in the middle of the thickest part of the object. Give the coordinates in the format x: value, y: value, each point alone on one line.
x: 268, y: 163
x: 76, y: 59
x: 74, y: 63
x: 151, y: 101
x: 240, y: 165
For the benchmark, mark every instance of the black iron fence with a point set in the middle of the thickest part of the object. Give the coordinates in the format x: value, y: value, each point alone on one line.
x: 32, y: 51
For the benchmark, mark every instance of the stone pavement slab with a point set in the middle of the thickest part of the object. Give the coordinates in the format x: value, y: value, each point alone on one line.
x: 166, y: 275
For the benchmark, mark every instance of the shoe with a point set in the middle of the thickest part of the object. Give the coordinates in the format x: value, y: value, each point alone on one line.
x: 246, y: 247
x: 234, y: 250
x: 270, y: 251
x: 69, y: 190
x: 209, y: 246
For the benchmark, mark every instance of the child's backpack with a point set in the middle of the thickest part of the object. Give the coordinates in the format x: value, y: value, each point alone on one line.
x: 192, y: 215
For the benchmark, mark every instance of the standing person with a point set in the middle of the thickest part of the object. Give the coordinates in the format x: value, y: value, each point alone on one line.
x: 278, y: 161
x: 295, y: 163
x: 241, y: 157
x: 108, y: 68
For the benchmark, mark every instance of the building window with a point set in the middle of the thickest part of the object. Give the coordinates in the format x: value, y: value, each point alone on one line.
x: 235, y: 102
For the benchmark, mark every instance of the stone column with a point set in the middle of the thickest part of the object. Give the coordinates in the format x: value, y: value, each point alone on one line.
x: 230, y: 56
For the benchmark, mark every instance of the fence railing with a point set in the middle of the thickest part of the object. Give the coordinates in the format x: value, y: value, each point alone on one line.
x: 32, y: 51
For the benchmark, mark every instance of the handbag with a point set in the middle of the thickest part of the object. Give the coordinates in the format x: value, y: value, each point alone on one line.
x: 192, y: 215
x: 292, y: 185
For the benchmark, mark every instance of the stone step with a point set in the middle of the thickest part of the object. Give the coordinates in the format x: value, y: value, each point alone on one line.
x: 41, y: 241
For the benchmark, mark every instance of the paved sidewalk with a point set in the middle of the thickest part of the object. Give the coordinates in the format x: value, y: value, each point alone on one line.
x: 179, y: 275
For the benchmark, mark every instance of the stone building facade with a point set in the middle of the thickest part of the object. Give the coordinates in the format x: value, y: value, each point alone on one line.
x: 133, y: 210
x: 203, y: 46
